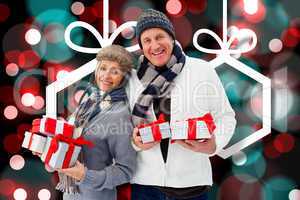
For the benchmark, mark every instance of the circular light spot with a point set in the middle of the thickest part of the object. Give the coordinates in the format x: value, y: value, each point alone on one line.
x: 38, y: 103
x: 112, y: 26
x: 77, y: 8
x: 20, y: 194
x: 44, y: 194
x: 270, y: 151
x: 61, y: 74
x: 284, y: 142
x: 78, y: 95
x: 294, y: 194
x: 54, y: 33
x: 27, y: 99
x: 29, y: 59
x: 33, y: 36
x: 239, y: 158
x: 251, y: 6
x: 275, y: 45
x: 12, y: 69
x: 5, y: 12
x: 196, y: 6
x: 10, y: 112
x: 289, y: 39
x: 16, y: 162
x: 174, y: 7
x: 131, y: 13
x: 11, y: 143
x: 7, y: 187
x: 128, y: 33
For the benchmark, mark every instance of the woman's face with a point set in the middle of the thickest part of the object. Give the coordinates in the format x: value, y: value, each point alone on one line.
x: 108, y: 75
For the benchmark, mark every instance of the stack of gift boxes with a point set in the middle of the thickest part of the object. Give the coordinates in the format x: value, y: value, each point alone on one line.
x: 190, y: 129
x: 54, y: 140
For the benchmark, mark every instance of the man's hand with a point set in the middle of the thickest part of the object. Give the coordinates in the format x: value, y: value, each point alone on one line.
x: 207, y: 146
x: 77, y: 172
x: 137, y: 140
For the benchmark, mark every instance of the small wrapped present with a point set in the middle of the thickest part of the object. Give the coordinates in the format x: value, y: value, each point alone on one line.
x: 50, y: 127
x: 34, y: 142
x: 193, y: 129
x: 155, y: 131
x: 61, y: 152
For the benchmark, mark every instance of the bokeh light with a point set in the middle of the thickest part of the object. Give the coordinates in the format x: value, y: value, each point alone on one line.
x: 131, y: 13
x: 275, y: 45
x: 38, y: 103
x: 289, y: 39
x: 196, y: 6
x: 5, y: 12
x: 20, y: 194
x: 284, y: 142
x: 54, y: 33
x: 294, y: 194
x: 10, y: 112
x: 33, y: 36
x: 239, y: 158
x: 27, y: 99
x: 61, y: 74
x: 128, y: 33
x: 44, y: 194
x: 112, y: 26
x: 78, y: 95
x: 257, y: 16
x: 251, y: 6
x: 12, y: 143
x: 37, y: 7
x: 12, y: 69
x: 184, y: 34
x: 77, y: 8
x: 278, y: 188
x: 29, y: 59
x: 7, y: 187
x: 173, y: 7
x: 16, y: 162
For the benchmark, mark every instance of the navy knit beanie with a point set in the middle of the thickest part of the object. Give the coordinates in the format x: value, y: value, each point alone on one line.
x: 151, y: 18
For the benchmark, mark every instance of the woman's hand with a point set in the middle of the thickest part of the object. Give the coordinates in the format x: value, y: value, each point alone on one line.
x: 137, y: 140
x: 77, y: 172
x: 207, y: 146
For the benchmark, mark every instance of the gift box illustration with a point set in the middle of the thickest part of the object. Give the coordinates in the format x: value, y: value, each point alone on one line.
x: 61, y: 152
x: 155, y: 131
x: 194, y: 128
x: 34, y: 142
x: 51, y: 127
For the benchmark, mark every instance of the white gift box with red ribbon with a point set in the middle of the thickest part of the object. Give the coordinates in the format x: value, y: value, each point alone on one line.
x: 34, y: 142
x: 155, y: 132
x: 61, y: 152
x: 50, y: 127
x: 192, y: 129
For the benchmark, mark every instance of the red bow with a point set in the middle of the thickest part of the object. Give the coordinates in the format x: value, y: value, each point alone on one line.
x: 155, y: 127
x: 207, y: 118
x: 71, y: 142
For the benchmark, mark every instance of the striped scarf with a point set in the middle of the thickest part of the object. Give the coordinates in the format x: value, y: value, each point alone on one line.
x: 88, y: 108
x: 157, y: 84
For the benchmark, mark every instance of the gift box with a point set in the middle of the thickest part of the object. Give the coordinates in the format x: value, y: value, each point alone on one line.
x: 34, y: 142
x: 61, y: 152
x: 193, y: 129
x: 50, y: 127
x: 155, y: 131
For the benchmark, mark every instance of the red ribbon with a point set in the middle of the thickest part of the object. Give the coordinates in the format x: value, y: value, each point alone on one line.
x: 30, y: 140
x: 50, y: 127
x: 71, y: 142
x: 155, y: 127
x: 208, y: 120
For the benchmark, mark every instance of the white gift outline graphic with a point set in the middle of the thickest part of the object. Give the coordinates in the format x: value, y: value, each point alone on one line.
x: 89, y: 67
x: 223, y: 56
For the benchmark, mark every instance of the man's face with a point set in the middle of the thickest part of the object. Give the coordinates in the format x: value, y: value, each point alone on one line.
x: 157, y: 46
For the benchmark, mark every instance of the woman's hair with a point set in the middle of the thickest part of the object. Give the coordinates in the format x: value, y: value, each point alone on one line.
x: 117, y: 53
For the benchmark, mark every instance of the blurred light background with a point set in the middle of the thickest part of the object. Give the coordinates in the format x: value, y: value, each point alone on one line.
x: 34, y: 54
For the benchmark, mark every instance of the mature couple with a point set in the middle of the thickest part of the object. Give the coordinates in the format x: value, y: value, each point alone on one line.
x: 166, y: 82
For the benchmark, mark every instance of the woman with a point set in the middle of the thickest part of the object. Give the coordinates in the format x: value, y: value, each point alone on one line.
x: 105, y: 119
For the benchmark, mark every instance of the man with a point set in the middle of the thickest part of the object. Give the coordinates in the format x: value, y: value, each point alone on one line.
x: 180, y: 87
